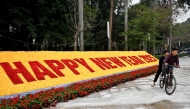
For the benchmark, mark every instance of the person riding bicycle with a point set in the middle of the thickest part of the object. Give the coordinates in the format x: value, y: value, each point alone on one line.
x: 160, y: 66
x: 171, y: 59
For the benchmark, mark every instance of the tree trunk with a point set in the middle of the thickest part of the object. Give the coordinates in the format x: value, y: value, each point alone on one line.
x: 154, y: 37
x: 170, y: 28
x: 111, y: 21
x: 75, y: 40
x: 126, y: 24
x: 81, y: 23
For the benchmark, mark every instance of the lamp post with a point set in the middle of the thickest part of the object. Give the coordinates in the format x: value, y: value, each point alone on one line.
x: 168, y: 41
x: 10, y: 28
x: 34, y: 43
x: 149, y: 44
x: 179, y: 45
x: 108, y: 33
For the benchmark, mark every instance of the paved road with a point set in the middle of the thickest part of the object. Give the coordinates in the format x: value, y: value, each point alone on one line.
x: 138, y: 94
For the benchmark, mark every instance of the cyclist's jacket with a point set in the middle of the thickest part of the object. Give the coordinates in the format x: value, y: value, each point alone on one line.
x: 170, y: 59
x: 161, y: 61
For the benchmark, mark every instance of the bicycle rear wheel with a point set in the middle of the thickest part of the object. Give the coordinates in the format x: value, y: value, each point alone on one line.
x: 170, y: 88
x: 162, y: 83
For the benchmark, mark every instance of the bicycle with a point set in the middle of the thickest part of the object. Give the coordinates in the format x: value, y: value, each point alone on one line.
x: 169, y: 80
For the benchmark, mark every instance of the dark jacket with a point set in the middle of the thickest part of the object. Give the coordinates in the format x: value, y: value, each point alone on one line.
x: 161, y: 61
x: 170, y: 59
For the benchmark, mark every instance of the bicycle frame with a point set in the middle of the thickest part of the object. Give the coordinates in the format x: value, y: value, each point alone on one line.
x: 168, y: 77
x: 169, y: 72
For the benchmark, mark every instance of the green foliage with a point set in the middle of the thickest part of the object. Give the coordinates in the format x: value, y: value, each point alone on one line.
x: 181, y: 32
x: 40, y: 19
x: 142, y: 24
x: 52, y: 22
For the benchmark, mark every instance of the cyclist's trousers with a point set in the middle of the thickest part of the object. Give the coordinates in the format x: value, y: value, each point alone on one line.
x: 157, y: 74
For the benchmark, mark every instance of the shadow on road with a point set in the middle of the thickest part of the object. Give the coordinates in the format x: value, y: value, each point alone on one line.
x: 167, y: 104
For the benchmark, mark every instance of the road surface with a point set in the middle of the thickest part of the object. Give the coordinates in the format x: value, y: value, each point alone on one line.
x: 139, y: 94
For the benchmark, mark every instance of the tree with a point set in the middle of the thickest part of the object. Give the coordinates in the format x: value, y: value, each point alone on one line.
x: 111, y: 20
x: 171, y: 5
x: 154, y: 38
x: 170, y: 28
x: 181, y: 33
x: 34, y: 19
x: 142, y: 24
x: 52, y: 23
x: 90, y: 14
x: 126, y: 24
x: 81, y: 24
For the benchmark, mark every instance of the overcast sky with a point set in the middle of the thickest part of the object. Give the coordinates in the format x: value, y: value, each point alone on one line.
x: 181, y: 18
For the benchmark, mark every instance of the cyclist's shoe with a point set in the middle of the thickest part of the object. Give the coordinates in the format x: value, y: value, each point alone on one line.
x: 161, y: 78
x: 153, y: 84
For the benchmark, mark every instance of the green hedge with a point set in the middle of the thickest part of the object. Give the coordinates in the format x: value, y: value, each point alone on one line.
x: 179, y: 55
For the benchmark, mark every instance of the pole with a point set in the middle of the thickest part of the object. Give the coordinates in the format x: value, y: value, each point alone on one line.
x: 80, y: 8
x: 168, y: 42
x: 149, y: 44
x: 149, y: 47
x: 154, y: 37
x: 126, y: 24
x: 78, y: 41
x: 179, y: 45
x: 111, y: 22
x: 108, y: 33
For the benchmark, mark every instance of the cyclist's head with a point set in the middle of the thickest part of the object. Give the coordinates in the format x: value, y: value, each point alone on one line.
x: 174, y: 51
x: 166, y: 52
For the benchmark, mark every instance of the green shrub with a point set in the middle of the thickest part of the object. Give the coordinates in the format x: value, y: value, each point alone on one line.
x: 179, y: 55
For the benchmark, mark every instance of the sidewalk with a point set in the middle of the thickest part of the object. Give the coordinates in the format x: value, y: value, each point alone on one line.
x: 138, y: 94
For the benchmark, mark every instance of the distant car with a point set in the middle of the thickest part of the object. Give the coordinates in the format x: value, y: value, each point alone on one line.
x: 185, y: 51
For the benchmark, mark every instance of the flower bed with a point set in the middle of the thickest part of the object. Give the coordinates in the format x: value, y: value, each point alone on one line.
x: 23, y: 72
x: 50, y: 97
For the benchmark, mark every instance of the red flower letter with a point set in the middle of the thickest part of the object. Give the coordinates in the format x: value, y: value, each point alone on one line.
x: 105, y: 60
x: 13, y: 73
x: 99, y: 63
x: 117, y: 61
x: 124, y: 58
x: 56, y: 68
x: 40, y: 71
x: 72, y: 65
x: 82, y: 61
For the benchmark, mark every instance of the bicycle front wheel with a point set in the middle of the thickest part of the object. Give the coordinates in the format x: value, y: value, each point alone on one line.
x: 170, y: 87
x: 162, y: 83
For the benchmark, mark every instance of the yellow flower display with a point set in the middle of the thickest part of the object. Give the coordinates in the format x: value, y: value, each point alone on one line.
x: 27, y: 71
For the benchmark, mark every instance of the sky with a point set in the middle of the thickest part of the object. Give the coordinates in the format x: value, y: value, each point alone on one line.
x: 182, y: 17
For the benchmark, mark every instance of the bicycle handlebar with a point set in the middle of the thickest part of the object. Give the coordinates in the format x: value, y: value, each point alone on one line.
x: 174, y: 66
